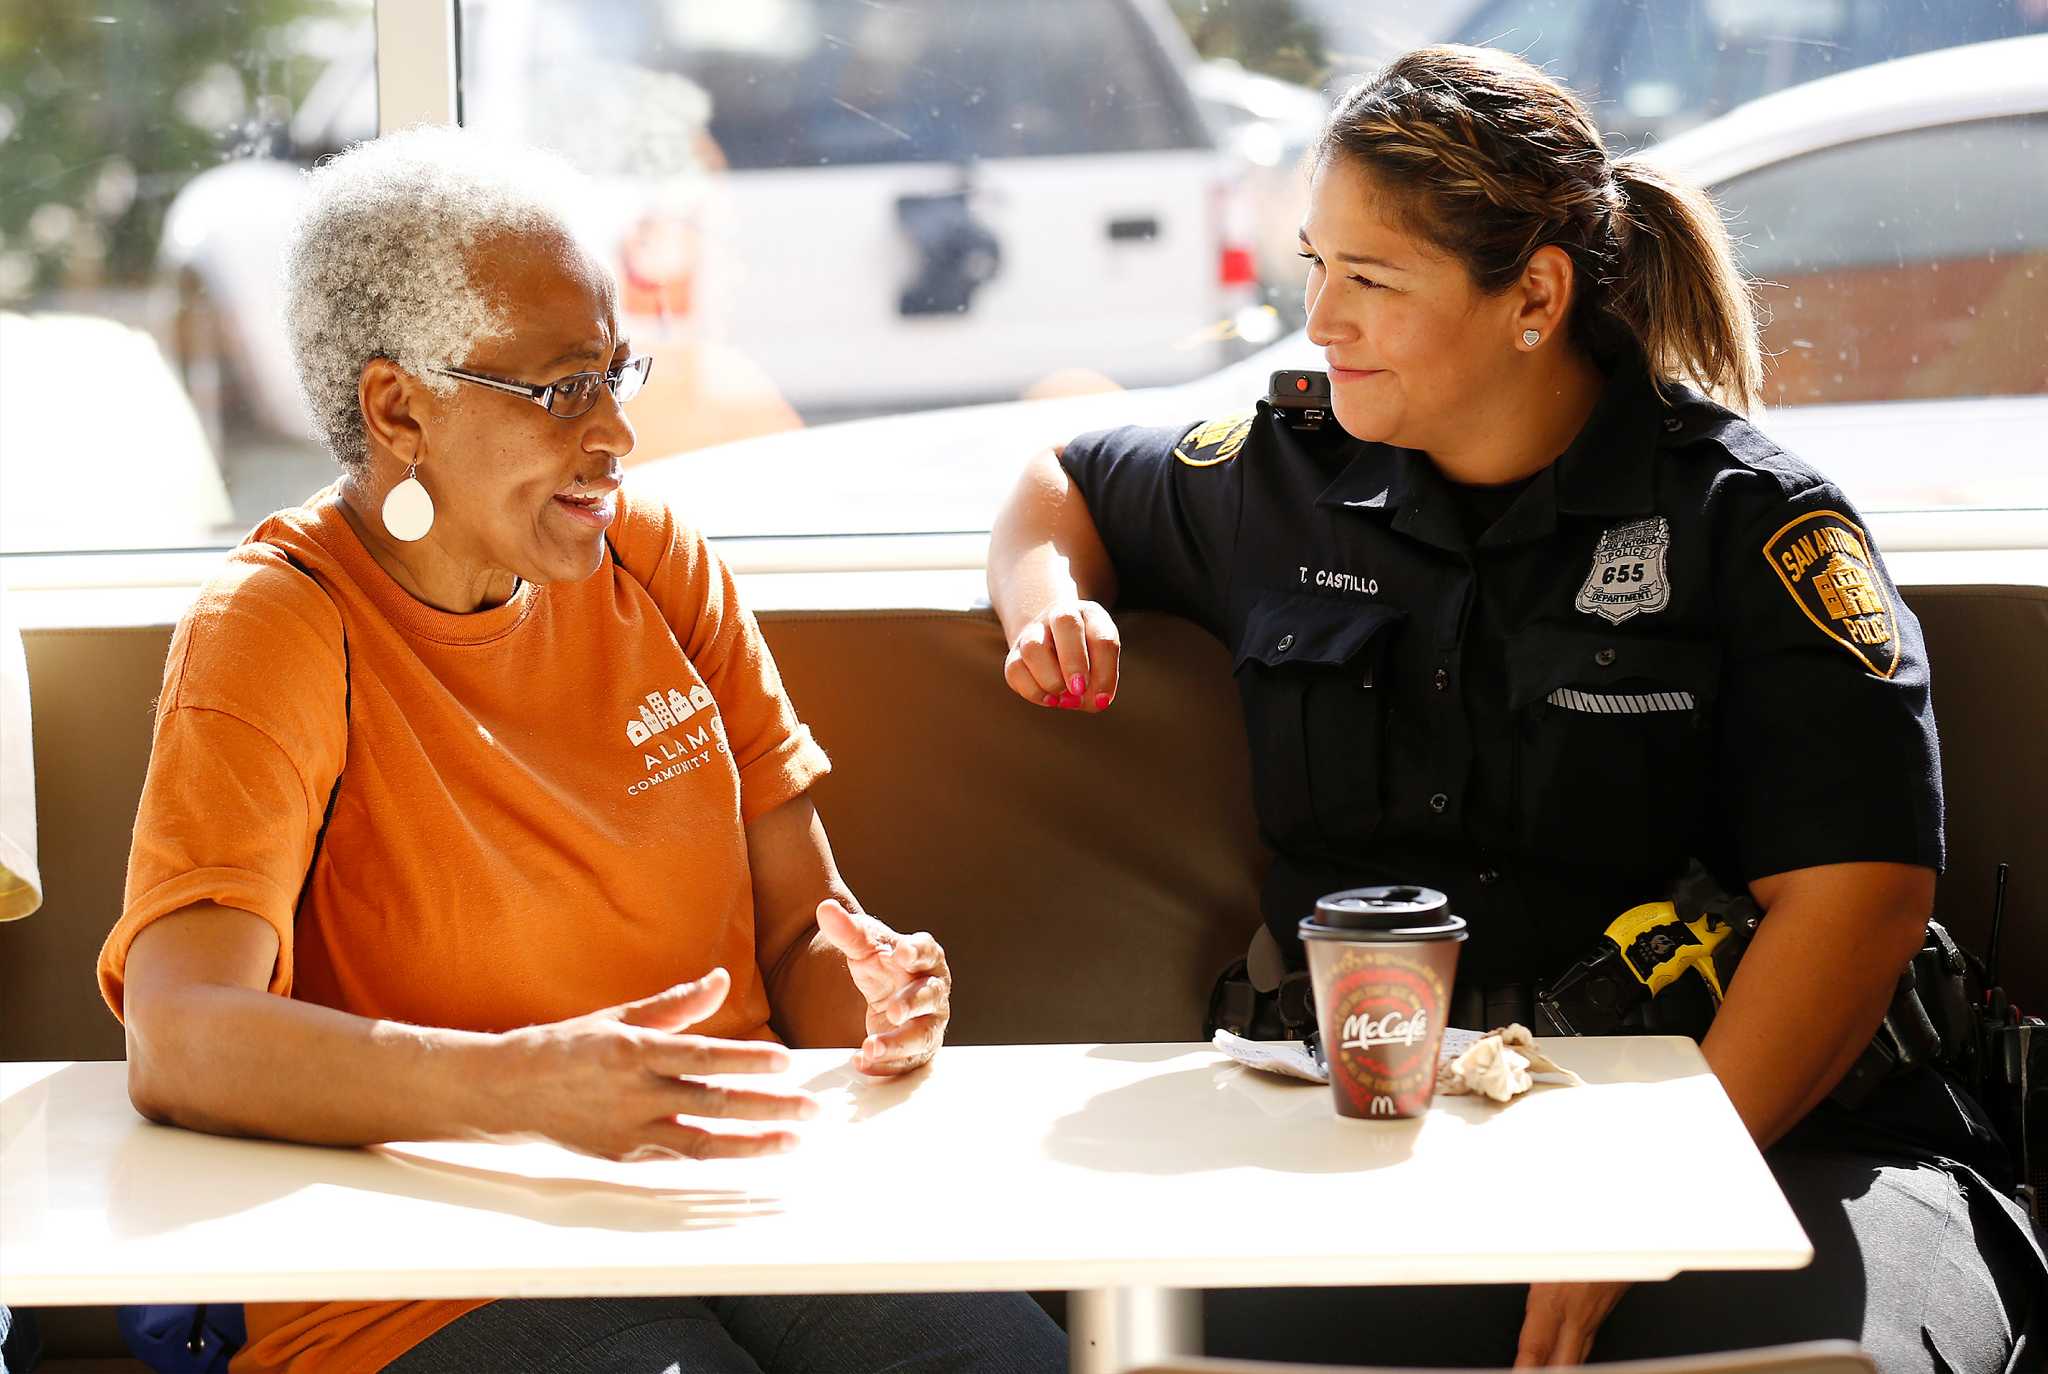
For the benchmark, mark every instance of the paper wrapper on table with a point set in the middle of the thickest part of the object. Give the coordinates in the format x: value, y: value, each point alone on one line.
x: 1287, y: 1058
x: 1291, y: 1059
x: 1499, y: 1065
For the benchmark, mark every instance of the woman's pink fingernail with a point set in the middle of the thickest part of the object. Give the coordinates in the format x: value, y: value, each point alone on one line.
x: 1050, y: 700
x: 1102, y: 701
x: 1068, y: 701
x: 1077, y: 684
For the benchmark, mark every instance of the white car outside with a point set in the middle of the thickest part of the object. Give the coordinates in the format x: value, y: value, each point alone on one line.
x: 63, y: 445
x: 909, y: 213
x: 947, y: 471
x: 1270, y: 125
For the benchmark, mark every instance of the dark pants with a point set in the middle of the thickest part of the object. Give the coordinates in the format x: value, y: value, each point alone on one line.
x: 918, y: 1333
x: 1926, y: 1266
x: 19, y: 1347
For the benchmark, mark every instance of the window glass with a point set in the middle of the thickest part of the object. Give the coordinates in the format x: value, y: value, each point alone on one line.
x: 1910, y: 267
x: 147, y: 163
x: 1022, y: 220
x: 805, y: 83
x: 1554, y: 34
x: 879, y: 217
x: 827, y: 209
x: 1675, y: 66
x: 1652, y: 69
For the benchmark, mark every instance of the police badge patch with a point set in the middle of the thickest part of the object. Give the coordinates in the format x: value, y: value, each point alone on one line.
x: 1627, y: 577
x: 1218, y: 441
x: 1826, y: 563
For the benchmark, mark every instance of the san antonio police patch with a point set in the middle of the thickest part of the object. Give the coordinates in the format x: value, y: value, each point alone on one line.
x: 1218, y: 441
x: 1826, y: 563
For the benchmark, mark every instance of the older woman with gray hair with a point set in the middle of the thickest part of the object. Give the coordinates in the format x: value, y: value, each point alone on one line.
x: 476, y: 808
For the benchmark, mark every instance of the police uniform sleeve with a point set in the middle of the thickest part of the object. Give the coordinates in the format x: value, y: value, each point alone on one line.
x: 1827, y: 740
x: 1166, y: 502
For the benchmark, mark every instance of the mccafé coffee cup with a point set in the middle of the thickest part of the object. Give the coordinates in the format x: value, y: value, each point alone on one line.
x: 1382, y: 960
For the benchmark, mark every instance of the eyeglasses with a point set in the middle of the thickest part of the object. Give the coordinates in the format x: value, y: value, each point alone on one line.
x: 570, y: 396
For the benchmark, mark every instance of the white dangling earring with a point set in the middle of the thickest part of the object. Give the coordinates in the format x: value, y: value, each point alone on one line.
x: 408, y: 509
x: 1531, y: 337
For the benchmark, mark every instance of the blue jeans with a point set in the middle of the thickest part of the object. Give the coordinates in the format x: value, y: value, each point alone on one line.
x: 867, y: 1333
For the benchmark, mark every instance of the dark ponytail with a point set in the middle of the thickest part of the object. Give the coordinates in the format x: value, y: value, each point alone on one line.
x: 1489, y: 158
x: 1679, y: 290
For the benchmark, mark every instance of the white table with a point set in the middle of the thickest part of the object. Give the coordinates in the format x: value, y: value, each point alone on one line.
x: 1129, y: 1174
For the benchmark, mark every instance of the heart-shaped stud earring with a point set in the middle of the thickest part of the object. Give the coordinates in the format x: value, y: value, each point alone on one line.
x: 1531, y: 337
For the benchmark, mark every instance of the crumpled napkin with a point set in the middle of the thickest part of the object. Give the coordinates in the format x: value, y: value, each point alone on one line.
x: 1501, y: 1064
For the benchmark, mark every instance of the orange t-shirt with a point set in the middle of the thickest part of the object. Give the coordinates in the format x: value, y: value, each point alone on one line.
x: 541, y: 808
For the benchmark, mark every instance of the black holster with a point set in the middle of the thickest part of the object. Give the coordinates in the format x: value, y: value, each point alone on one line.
x: 1285, y: 1012
x: 1932, y: 1022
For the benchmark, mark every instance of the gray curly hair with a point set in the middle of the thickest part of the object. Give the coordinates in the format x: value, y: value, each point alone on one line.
x: 378, y: 263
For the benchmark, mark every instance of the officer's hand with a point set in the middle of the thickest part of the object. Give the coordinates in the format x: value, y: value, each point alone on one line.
x: 1559, y: 1322
x: 1067, y: 657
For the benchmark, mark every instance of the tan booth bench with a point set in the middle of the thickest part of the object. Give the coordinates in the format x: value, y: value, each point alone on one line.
x: 1088, y: 875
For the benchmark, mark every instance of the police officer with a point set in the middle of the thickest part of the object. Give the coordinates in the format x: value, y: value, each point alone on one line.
x: 1536, y: 622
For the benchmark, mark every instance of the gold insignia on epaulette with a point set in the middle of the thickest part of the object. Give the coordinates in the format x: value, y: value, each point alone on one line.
x: 1826, y: 563
x: 1218, y: 441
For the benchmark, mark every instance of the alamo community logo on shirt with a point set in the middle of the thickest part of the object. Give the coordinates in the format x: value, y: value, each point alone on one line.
x: 1826, y: 563
x: 677, y: 732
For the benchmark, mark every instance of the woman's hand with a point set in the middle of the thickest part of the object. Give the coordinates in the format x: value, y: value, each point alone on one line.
x: 1560, y: 1320
x: 614, y: 1083
x: 1066, y: 657
x: 909, y: 989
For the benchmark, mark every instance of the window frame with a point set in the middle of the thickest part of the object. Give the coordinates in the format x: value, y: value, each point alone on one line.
x: 417, y: 49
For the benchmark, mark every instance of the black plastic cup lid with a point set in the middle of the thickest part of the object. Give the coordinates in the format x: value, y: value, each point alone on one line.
x: 1384, y: 913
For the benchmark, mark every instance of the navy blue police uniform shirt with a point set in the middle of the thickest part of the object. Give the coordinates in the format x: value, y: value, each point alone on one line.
x: 1675, y: 642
